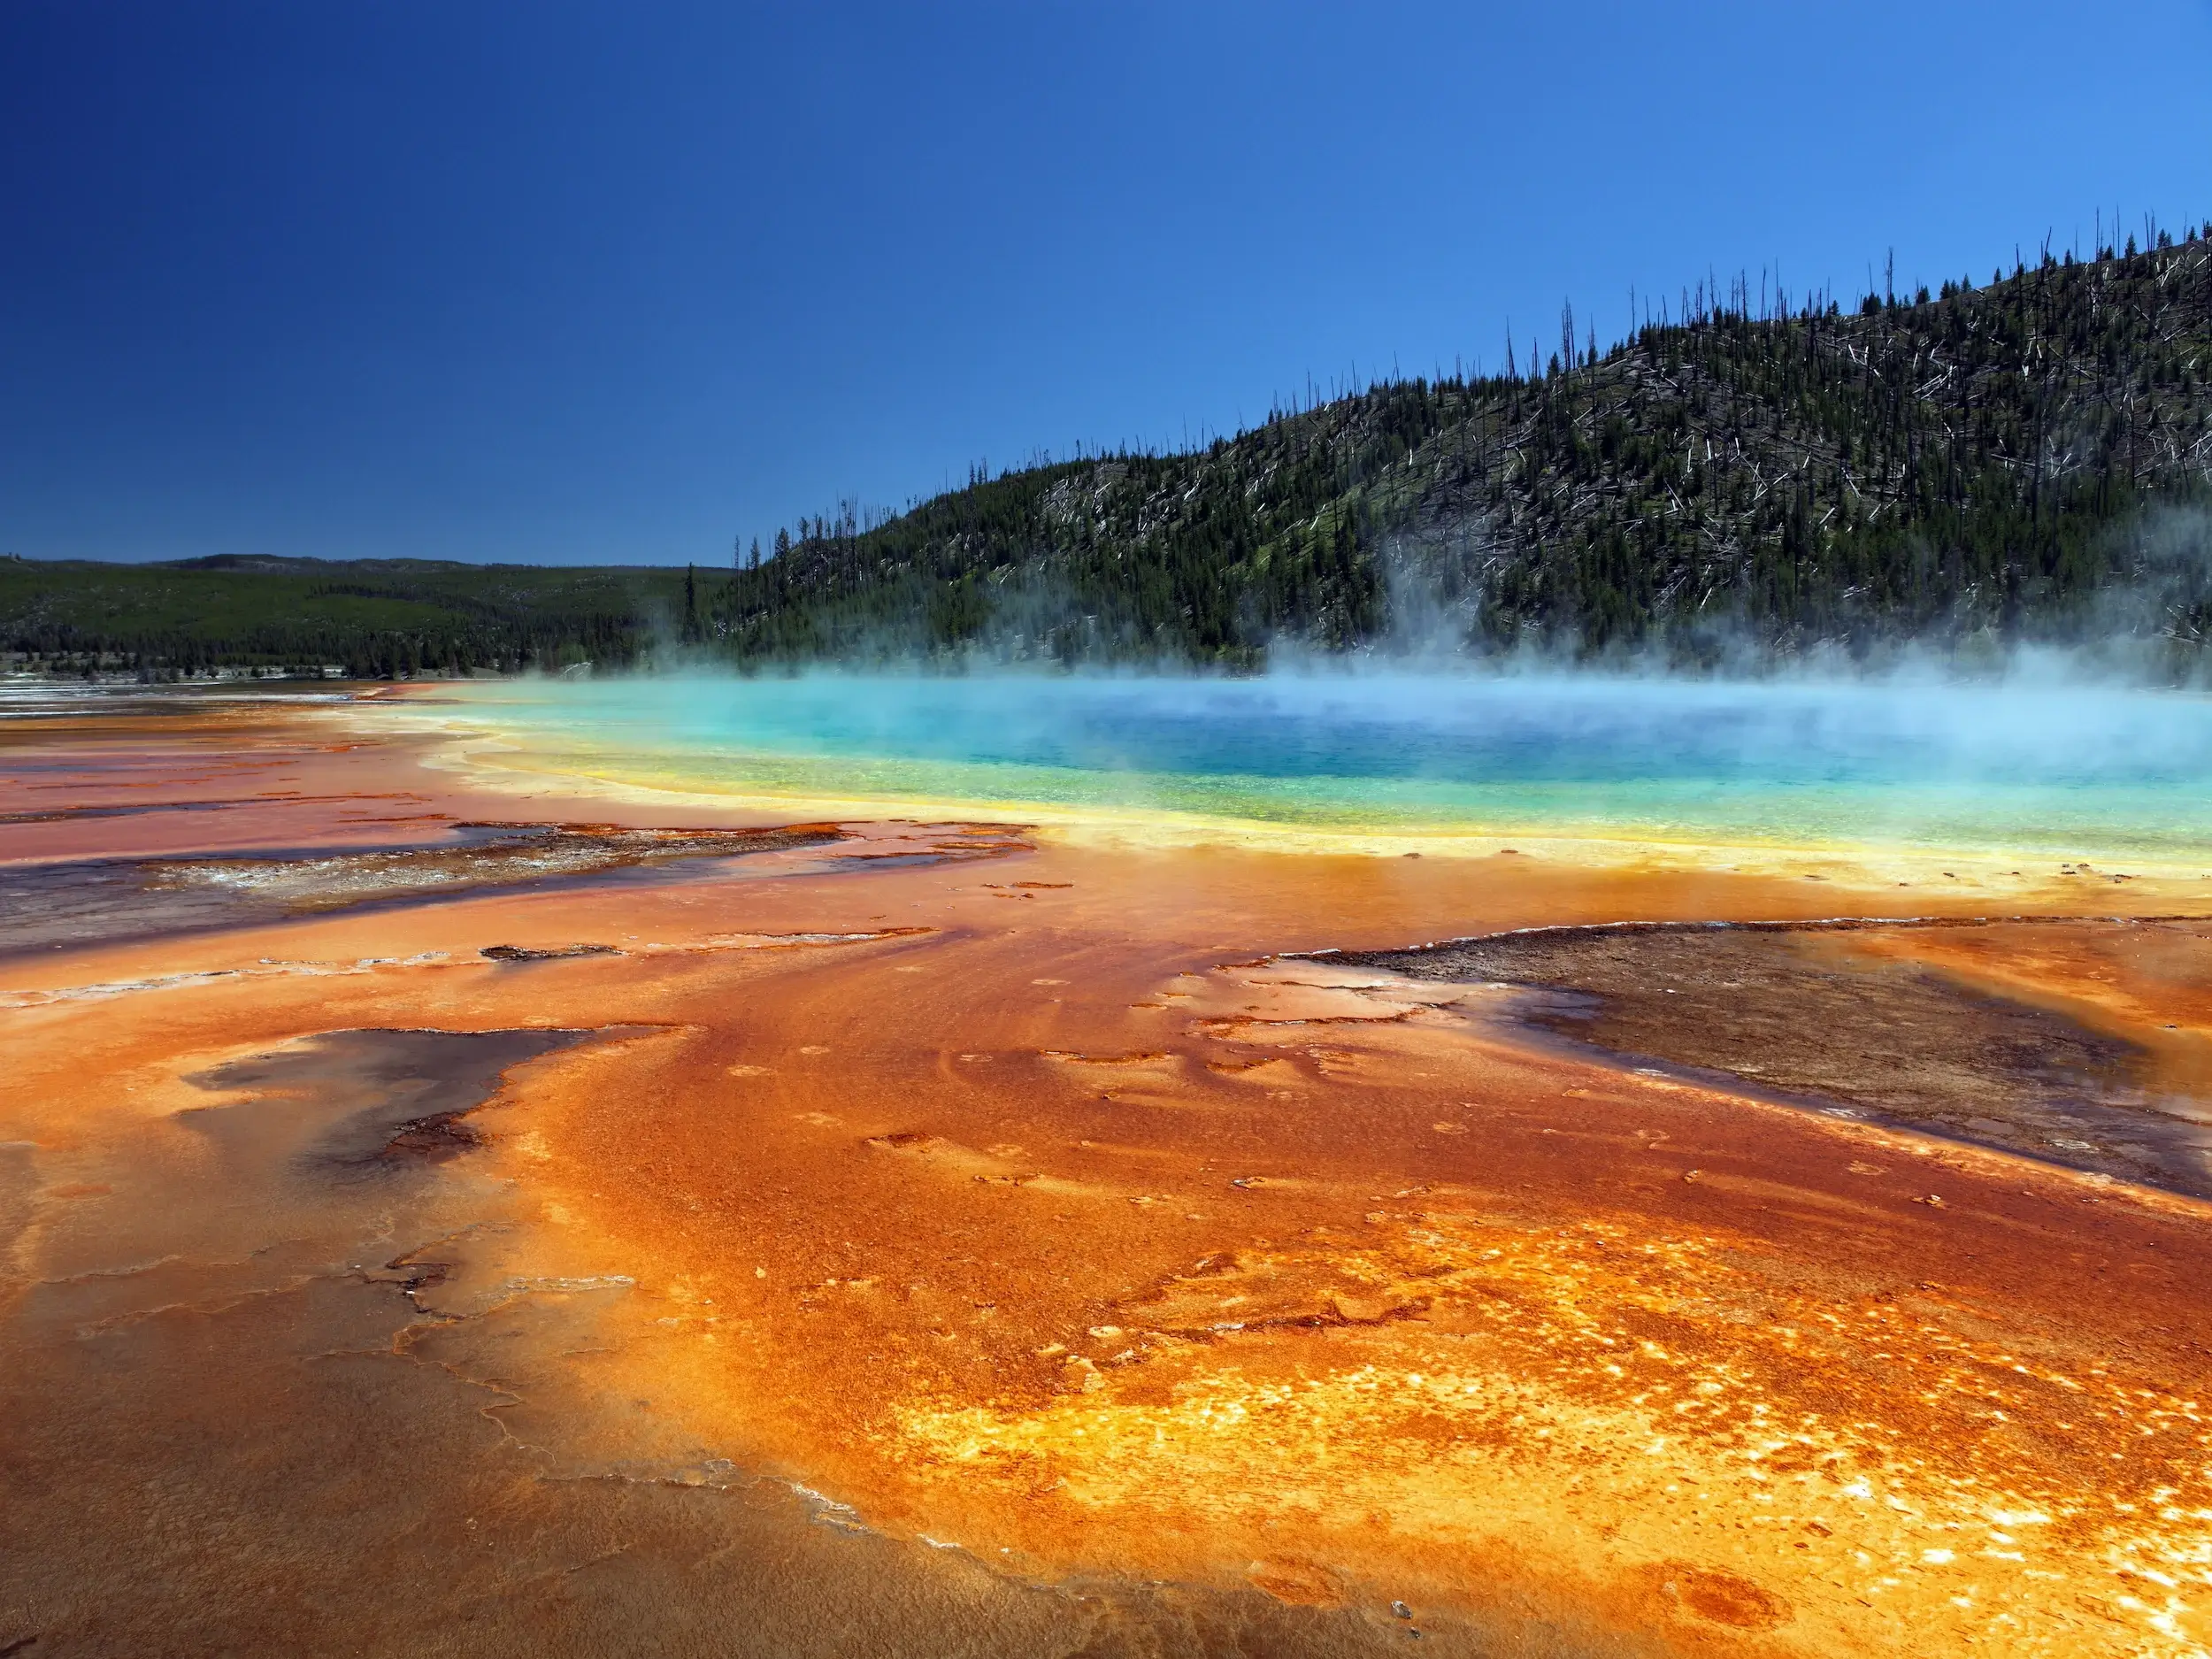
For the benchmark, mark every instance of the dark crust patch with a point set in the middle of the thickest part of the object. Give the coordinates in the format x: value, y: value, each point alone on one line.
x: 1790, y: 1010
x: 58, y: 905
x: 361, y: 1102
x: 483, y: 855
x: 438, y: 1136
x: 554, y: 953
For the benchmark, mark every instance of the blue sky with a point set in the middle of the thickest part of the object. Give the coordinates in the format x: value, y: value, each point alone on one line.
x: 580, y: 283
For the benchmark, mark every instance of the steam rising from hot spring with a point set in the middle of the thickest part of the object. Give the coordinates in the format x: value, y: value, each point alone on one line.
x: 2071, y: 767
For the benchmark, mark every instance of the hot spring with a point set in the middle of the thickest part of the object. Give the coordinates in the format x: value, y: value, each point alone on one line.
x: 2056, y: 770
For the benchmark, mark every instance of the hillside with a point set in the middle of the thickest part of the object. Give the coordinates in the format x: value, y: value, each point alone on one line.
x: 2026, y: 458
x: 1992, y: 457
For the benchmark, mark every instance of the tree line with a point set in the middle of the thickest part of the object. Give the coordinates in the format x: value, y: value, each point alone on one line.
x: 2008, y: 458
x: 2025, y: 458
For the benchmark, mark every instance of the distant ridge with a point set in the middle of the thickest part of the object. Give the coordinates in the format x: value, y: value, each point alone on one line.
x: 2029, y: 459
x: 371, y: 618
x: 269, y: 564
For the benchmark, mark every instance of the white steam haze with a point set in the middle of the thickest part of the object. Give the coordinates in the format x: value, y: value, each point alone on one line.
x: 2084, y: 737
x: 2044, y: 757
x: 2149, y: 622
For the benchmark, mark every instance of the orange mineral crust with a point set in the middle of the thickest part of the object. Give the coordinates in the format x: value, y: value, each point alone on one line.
x: 940, y: 1238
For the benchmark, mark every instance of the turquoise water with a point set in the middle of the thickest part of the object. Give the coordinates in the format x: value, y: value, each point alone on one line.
x: 2073, y: 772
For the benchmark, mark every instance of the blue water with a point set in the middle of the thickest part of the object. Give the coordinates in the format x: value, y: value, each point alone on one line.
x: 2077, y: 772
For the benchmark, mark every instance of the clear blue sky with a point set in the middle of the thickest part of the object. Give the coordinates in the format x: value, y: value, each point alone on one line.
x: 560, y: 282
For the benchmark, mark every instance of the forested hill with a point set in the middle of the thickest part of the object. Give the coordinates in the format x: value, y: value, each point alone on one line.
x: 367, y: 618
x: 2031, y: 458
x: 1994, y: 457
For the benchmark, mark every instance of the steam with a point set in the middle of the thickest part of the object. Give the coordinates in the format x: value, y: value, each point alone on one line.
x: 1376, y: 721
x: 2149, y: 623
x: 2045, y: 760
x: 2083, y: 735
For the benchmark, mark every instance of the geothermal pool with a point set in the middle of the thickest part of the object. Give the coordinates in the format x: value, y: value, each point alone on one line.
x: 2066, y: 771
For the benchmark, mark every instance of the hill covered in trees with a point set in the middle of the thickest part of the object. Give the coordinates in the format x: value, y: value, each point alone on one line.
x: 2010, y: 458
x: 370, y: 618
x: 2026, y: 459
